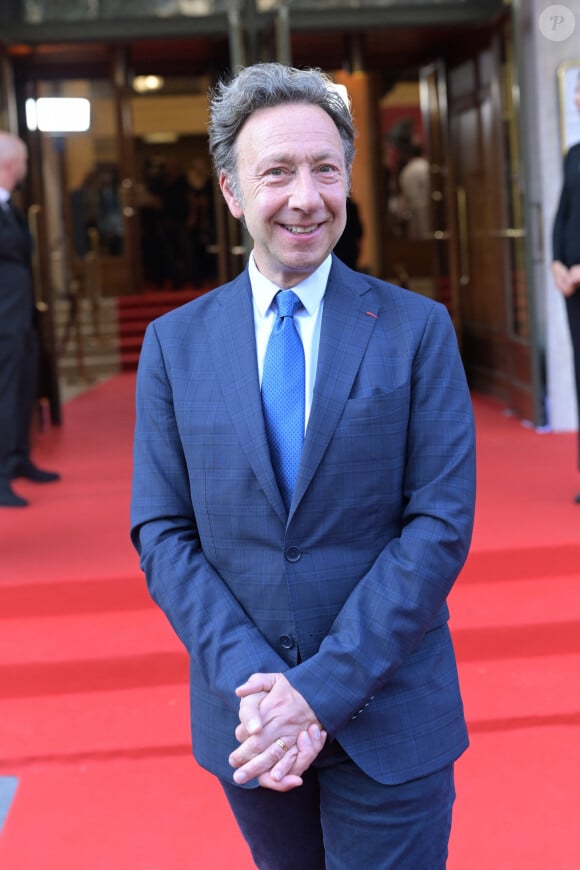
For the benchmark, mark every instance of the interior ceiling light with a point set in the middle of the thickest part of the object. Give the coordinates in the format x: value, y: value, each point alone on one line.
x: 146, y: 84
x: 58, y: 114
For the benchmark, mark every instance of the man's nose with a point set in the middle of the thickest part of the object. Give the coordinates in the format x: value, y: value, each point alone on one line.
x: 305, y: 193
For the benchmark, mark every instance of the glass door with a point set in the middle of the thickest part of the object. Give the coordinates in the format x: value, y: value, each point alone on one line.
x: 88, y: 215
x: 85, y: 220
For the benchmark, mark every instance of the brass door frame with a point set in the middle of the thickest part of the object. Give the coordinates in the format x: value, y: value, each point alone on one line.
x: 120, y: 76
x: 494, y: 297
x: 434, y: 111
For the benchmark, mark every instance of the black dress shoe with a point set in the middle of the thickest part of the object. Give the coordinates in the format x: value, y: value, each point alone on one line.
x: 35, y: 474
x: 8, y: 497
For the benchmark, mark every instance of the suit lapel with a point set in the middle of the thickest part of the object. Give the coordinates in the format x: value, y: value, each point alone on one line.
x: 350, y: 315
x: 234, y: 353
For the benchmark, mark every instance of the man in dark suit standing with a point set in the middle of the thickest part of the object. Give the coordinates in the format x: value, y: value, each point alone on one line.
x: 18, y: 337
x: 302, y: 504
x: 566, y: 254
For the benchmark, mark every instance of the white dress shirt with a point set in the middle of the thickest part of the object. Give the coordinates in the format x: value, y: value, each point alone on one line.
x: 308, y: 319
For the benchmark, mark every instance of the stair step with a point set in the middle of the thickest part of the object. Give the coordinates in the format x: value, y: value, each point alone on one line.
x: 128, y: 342
x: 144, y: 314
x: 134, y: 327
x: 129, y: 362
x: 167, y: 298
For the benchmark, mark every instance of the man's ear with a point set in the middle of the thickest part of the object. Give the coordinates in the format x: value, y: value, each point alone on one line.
x: 229, y: 196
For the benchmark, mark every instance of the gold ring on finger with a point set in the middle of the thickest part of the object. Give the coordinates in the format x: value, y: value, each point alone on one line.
x: 281, y: 744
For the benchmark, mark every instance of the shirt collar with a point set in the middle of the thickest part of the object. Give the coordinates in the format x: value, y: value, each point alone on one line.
x: 310, y: 291
x: 4, y: 196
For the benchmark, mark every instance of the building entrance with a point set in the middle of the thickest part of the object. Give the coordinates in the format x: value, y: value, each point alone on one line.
x: 131, y: 204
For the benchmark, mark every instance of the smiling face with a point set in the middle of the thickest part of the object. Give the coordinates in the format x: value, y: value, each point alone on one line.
x: 291, y: 189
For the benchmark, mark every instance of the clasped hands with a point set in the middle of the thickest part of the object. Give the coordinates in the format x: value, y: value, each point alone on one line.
x: 279, y: 733
x: 566, y: 280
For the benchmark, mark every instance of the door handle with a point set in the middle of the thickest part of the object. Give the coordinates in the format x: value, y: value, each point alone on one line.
x: 437, y: 235
x: 508, y: 233
x: 463, y: 237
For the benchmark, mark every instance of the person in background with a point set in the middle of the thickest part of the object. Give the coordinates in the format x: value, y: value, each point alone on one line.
x: 202, y: 223
x: 415, y: 187
x: 349, y: 244
x: 19, y: 351
x: 566, y: 253
x: 303, y: 498
x: 175, y: 223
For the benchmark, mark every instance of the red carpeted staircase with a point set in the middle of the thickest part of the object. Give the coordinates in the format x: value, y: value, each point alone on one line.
x: 135, y: 312
x: 96, y: 771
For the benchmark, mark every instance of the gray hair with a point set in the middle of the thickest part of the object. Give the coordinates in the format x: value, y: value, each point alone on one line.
x: 265, y: 85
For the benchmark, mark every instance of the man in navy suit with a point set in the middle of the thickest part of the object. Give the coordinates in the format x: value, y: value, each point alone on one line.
x: 18, y: 336
x: 324, y: 690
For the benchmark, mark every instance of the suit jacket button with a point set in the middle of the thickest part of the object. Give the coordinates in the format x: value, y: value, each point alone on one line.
x: 293, y: 554
x: 286, y: 641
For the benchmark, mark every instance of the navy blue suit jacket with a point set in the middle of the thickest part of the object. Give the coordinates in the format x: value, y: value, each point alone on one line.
x: 16, y: 288
x: 347, y: 593
x: 18, y: 346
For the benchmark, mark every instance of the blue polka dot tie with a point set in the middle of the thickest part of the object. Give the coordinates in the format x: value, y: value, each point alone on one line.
x: 283, y: 394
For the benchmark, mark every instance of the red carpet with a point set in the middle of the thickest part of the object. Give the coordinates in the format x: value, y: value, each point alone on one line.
x: 516, y: 625
x: 93, y: 684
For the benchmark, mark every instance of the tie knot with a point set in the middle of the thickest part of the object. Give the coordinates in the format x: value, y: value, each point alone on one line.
x: 288, y: 303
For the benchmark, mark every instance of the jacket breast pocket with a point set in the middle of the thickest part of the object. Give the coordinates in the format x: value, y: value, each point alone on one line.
x: 375, y: 424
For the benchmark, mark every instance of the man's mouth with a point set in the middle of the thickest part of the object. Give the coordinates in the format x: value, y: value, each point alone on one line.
x: 300, y: 231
